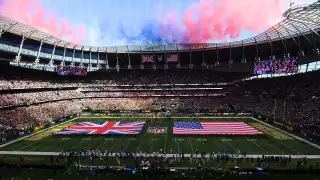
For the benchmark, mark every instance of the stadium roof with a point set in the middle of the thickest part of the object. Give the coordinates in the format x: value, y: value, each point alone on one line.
x: 297, y: 21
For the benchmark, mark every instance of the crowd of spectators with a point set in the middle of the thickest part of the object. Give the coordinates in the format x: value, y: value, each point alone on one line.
x: 153, y: 94
x: 36, y: 97
x: 15, y: 120
x: 174, y: 104
x: 24, y: 117
x: 20, y: 78
x: 293, y: 100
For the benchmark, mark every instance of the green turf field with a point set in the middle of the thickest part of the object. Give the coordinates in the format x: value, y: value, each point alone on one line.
x: 272, y: 142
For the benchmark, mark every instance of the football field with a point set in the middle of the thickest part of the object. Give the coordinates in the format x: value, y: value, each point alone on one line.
x: 271, y: 142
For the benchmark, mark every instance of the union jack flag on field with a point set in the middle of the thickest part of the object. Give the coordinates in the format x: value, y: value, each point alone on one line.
x: 147, y: 59
x: 230, y: 128
x: 109, y: 127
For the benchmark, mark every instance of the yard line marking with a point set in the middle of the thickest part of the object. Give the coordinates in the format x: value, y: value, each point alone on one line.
x: 150, y: 151
x: 27, y: 146
x: 191, y: 145
x: 48, y: 147
x: 218, y: 146
x: 260, y: 147
x: 226, y: 165
x: 151, y: 144
x: 112, y: 147
x: 232, y: 147
x: 218, y: 164
x: 138, y: 148
x: 289, y: 147
x: 103, y: 144
x: 224, y: 149
x: 32, y: 143
x: 165, y: 142
x: 74, y: 147
x: 125, y: 147
x: 282, y: 153
x: 151, y: 139
x: 253, y: 142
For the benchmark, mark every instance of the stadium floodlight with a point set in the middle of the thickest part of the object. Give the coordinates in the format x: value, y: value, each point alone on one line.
x: 7, y: 28
x: 51, y: 63
x: 203, y: 64
x: 230, y: 62
x: 36, y: 63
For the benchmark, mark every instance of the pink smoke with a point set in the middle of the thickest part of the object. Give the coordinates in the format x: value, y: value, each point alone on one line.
x: 217, y: 19
x: 34, y: 14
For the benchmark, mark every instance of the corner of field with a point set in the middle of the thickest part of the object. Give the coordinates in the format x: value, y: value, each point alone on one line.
x: 36, y: 133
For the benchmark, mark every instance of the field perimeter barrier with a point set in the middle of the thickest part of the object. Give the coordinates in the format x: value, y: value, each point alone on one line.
x: 28, y: 153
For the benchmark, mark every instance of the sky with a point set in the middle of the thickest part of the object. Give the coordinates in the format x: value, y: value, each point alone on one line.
x: 126, y: 22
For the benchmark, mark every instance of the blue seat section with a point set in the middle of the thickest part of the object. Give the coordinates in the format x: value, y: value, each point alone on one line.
x: 10, y: 42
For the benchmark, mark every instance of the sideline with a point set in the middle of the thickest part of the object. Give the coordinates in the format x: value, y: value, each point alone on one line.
x: 287, y: 133
x: 19, y: 139
x: 176, y: 117
x: 150, y: 155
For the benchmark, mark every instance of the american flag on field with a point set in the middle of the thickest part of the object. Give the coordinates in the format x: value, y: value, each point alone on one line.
x: 172, y: 58
x: 109, y: 127
x: 230, y: 128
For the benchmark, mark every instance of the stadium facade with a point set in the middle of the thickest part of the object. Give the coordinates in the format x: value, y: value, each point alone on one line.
x: 297, y: 35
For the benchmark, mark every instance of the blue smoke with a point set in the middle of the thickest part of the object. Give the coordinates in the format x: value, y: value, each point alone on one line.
x: 148, y: 34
